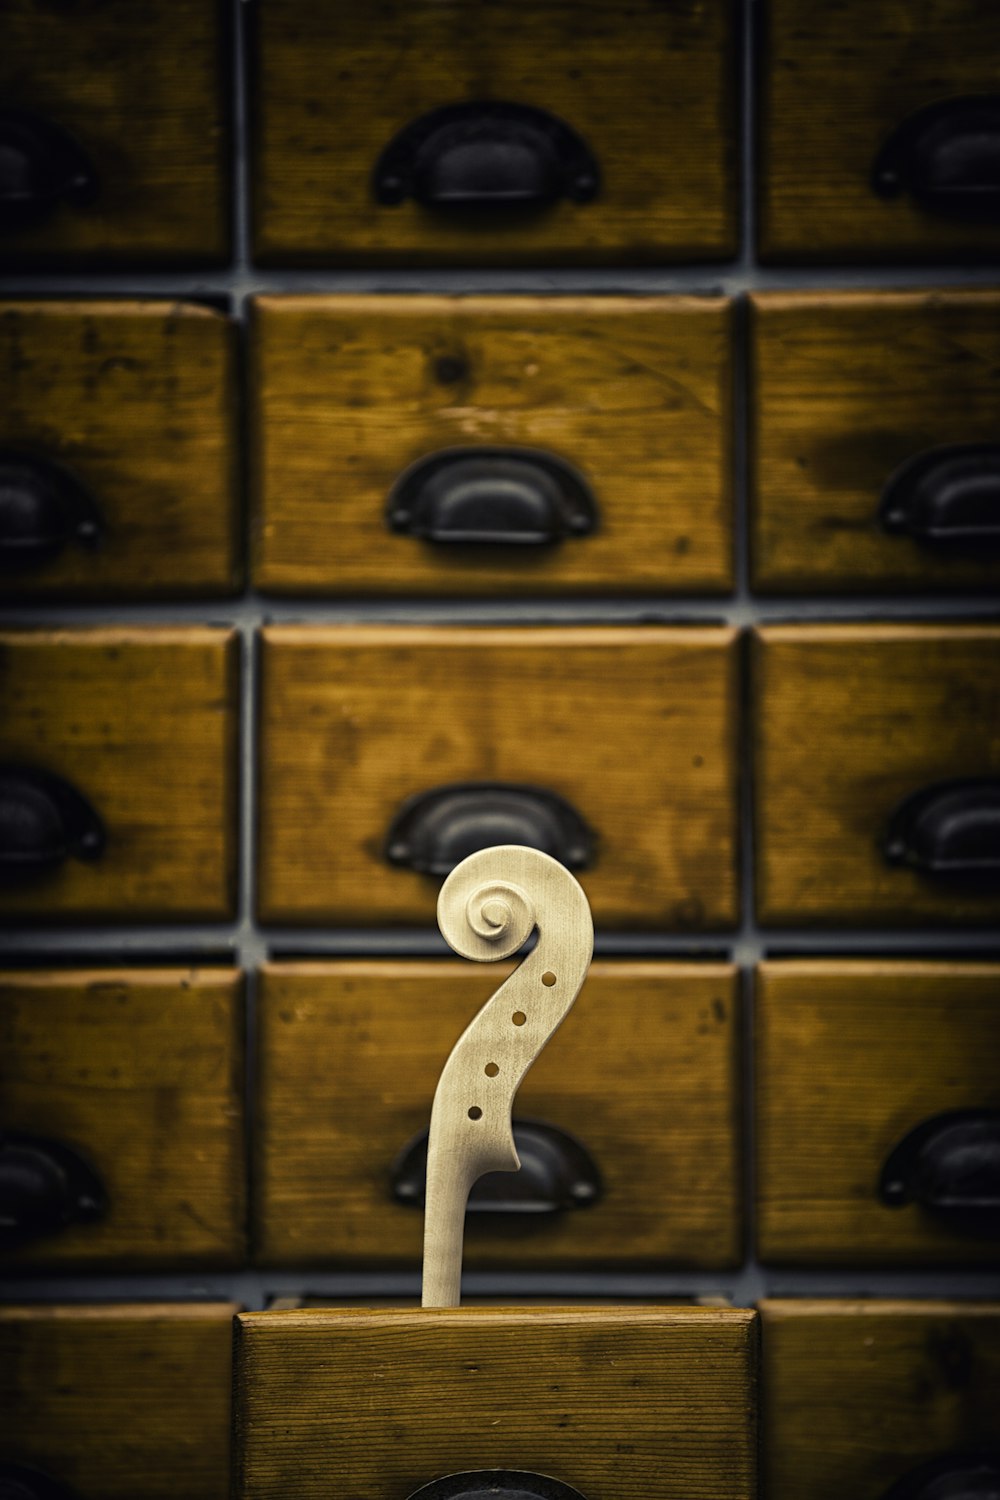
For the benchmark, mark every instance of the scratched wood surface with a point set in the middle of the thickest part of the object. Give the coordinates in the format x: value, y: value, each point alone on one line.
x: 858, y: 1394
x: 136, y: 400
x: 119, y: 1400
x: 142, y: 1072
x: 634, y: 726
x: 850, y: 720
x: 633, y: 392
x: 644, y: 1071
x: 851, y: 1056
x: 654, y: 100
x: 142, y: 720
x: 836, y: 80
x: 639, y: 1403
x: 846, y: 387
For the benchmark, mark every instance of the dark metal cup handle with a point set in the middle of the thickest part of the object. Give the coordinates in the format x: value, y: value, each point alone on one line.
x: 946, y: 157
x: 950, y: 1166
x: 435, y: 830
x: 491, y: 497
x: 557, y: 1173
x: 507, y: 1484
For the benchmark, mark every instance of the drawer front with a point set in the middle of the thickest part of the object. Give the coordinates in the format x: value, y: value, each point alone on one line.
x: 119, y: 1400
x: 587, y: 181
x: 845, y: 89
x: 117, y: 450
x: 117, y: 750
x: 866, y: 1167
x: 877, y: 750
x: 138, y: 1074
x: 875, y: 444
x: 649, y: 1402
x: 114, y: 115
x: 633, y: 729
x: 860, y: 1396
x: 662, y: 1170
x: 632, y: 394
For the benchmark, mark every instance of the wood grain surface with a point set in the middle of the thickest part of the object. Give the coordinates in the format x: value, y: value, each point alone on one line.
x: 142, y: 90
x: 836, y: 80
x: 855, y: 1395
x: 634, y: 726
x: 850, y: 720
x: 142, y: 1072
x: 851, y: 1056
x: 638, y: 1403
x: 142, y: 720
x: 136, y: 401
x: 644, y: 1071
x: 119, y: 1400
x: 633, y: 392
x: 654, y: 100
x: 846, y: 387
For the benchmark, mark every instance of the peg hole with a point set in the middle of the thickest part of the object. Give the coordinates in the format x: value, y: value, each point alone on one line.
x: 519, y: 1018
x: 475, y: 1113
x: 491, y: 1070
x: 548, y: 979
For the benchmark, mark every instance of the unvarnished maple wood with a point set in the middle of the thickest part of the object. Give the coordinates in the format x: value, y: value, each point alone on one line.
x: 136, y: 400
x: 851, y: 1056
x: 142, y: 1071
x: 847, y: 386
x: 857, y: 1394
x: 142, y: 90
x: 633, y: 392
x: 836, y: 80
x: 119, y: 1400
x: 142, y: 720
x: 635, y: 727
x: 850, y: 720
x: 644, y: 1072
x: 637, y: 1403
x: 334, y: 84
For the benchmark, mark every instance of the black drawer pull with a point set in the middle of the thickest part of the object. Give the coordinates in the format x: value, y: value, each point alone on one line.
x: 43, y: 821
x: 947, y: 498
x: 491, y: 496
x: 435, y: 830
x: 508, y: 1484
x: 950, y: 830
x: 486, y: 156
x: 42, y: 509
x: 557, y: 1173
x: 950, y: 1166
x: 947, y: 157
x: 45, y: 1187
x: 39, y: 166
x: 954, y: 1477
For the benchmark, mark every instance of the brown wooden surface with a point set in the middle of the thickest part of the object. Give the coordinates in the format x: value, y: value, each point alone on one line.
x: 857, y: 1394
x: 136, y: 400
x: 633, y: 392
x: 119, y: 1400
x: 644, y: 1071
x: 142, y: 89
x: 850, y: 720
x: 634, y: 726
x: 848, y: 386
x: 654, y: 100
x: 851, y: 1056
x: 835, y: 82
x: 636, y: 1403
x: 142, y: 720
x: 142, y: 1071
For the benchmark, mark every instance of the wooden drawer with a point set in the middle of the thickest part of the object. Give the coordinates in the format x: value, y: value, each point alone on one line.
x: 117, y: 750
x: 860, y: 1396
x: 838, y: 82
x: 139, y: 1074
x: 633, y: 1401
x: 631, y: 728
x: 858, y: 1065
x: 866, y: 738
x: 125, y: 144
x: 119, y: 1400
x: 661, y: 1178
x: 587, y: 182
x: 118, y: 464
x: 874, y: 421
x: 632, y: 394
